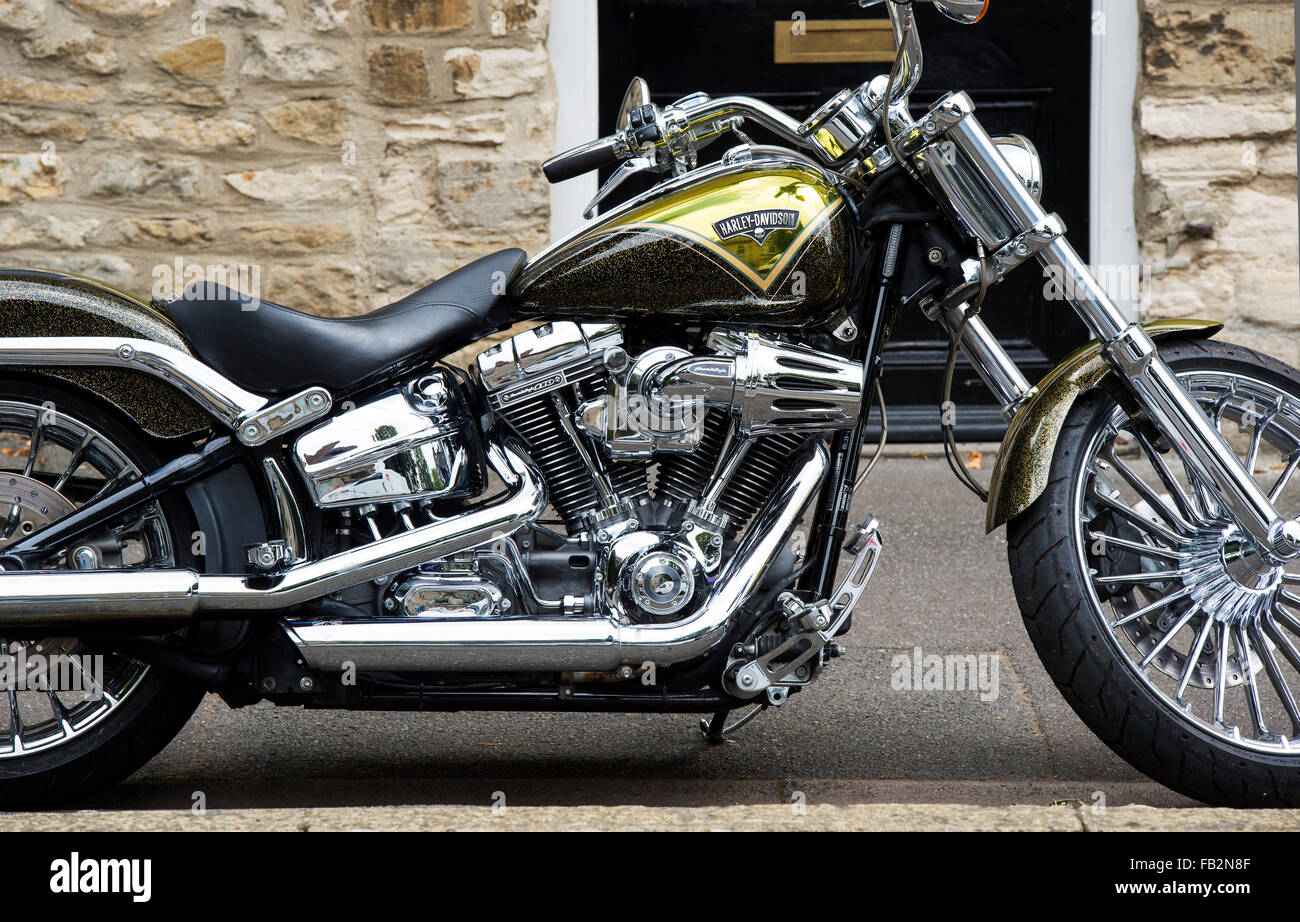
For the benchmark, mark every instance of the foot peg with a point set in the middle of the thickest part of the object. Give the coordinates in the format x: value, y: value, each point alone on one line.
x: 813, y: 625
x: 865, y: 546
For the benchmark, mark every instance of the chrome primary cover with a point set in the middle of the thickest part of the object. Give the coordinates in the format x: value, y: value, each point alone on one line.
x: 651, y: 577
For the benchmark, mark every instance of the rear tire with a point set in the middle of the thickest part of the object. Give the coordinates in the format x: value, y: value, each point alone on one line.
x: 1096, y: 662
x: 157, y: 705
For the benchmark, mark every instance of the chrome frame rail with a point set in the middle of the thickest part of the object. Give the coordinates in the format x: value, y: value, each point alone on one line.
x: 252, y: 418
x: 41, y: 598
x: 222, y: 398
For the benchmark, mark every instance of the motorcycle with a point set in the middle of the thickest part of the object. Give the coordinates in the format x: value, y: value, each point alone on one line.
x: 604, y: 513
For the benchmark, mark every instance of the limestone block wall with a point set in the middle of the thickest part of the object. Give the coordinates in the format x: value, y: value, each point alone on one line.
x: 341, y: 153
x: 1216, y: 194
x: 337, y: 153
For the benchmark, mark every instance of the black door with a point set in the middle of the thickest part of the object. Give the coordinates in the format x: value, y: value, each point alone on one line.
x: 1028, y: 68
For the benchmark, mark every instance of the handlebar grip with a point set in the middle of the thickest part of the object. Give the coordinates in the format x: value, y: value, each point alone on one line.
x: 580, y: 160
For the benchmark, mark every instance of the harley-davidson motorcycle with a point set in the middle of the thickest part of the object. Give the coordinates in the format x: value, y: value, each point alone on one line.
x: 605, y: 513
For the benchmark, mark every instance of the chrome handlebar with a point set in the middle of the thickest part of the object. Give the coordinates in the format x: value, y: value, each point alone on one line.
x: 908, y: 40
x: 747, y: 109
x: 667, y: 139
x: 669, y: 136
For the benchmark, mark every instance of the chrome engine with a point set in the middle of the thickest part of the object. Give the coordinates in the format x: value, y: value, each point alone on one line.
x: 656, y: 463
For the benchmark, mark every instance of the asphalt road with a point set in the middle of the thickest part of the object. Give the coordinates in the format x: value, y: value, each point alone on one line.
x: 942, y: 586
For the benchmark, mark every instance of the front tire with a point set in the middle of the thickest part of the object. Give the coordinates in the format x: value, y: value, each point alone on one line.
x: 1166, y: 631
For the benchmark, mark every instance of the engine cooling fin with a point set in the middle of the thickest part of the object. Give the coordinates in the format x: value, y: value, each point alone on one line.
x: 572, y: 492
x: 764, y: 465
x: 682, y: 478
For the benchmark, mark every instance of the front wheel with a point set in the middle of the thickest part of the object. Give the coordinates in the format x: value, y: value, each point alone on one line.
x: 1166, y: 630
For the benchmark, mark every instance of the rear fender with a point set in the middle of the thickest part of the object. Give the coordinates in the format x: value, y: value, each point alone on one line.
x: 1025, y: 460
x: 35, y: 302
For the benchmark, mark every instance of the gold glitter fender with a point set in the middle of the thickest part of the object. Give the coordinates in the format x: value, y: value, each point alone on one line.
x: 36, y: 302
x: 1025, y: 459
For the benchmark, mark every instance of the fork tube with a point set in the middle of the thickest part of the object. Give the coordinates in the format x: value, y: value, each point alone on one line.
x: 1133, y: 354
x: 1172, y: 409
x: 995, y: 367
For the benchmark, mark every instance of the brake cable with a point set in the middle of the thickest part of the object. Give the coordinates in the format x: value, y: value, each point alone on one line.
x: 894, y: 73
x: 949, y: 427
x: 884, y: 438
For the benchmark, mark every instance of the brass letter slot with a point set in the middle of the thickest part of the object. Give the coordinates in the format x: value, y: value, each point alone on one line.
x: 833, y: 41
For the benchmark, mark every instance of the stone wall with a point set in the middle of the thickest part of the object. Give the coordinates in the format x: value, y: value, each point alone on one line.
x: 343, y: 152
x: 348, y: 151
x: 1217, y: 192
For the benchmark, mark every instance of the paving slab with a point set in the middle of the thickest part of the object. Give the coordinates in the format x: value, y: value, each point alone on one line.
x: 942, y: 586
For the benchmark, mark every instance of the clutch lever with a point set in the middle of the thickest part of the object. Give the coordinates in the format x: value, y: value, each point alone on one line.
x: 626, y: 170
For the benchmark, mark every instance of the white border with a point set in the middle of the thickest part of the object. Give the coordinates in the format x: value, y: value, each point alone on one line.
x: 1116, y: 51
x: 574, y: 48
x: 575, y: 57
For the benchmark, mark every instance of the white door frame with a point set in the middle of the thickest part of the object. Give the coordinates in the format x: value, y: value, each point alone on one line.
x: 575, y: 58
x: 574, y: 48
x: 1116, y: 51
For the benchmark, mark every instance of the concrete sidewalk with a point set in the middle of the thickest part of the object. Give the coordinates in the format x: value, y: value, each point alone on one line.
x: 749, y: 818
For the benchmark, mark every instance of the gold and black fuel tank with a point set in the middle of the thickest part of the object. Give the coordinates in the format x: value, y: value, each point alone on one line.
x: 760, y: 242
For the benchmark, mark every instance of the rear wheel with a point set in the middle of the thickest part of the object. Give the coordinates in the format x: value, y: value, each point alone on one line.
x: 76, y: 717
x: 1168, y: 632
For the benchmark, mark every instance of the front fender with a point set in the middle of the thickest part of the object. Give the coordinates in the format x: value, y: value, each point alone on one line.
x: 35, y: 302
x: 1025, y: 459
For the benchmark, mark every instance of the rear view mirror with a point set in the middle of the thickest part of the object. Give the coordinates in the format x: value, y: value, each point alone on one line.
x: 636, y: 97
x: 963, y: 11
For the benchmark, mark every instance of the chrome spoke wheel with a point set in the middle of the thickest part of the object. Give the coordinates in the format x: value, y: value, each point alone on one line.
x: 57, y: 688
x: 1198, y: 614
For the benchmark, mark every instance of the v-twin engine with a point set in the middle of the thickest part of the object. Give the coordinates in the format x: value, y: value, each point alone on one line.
x: 659, y: 461
x: 677, y: 479
x: 595, y: 418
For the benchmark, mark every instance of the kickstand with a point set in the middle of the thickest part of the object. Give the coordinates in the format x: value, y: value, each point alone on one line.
x: 717, y: 731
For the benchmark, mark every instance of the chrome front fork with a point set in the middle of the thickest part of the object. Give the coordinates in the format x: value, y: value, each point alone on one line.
x: 1173, y: 411
x: 988, y: 197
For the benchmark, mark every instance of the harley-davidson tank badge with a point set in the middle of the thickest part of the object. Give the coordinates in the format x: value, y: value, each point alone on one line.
x: 756, y: 225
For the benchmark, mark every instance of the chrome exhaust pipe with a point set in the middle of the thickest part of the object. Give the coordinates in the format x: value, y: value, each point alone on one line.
x: 54, y: 598
x: 568, y: 645
x: 50, y: 598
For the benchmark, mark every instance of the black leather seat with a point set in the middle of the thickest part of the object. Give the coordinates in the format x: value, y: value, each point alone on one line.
x: 275, y: 350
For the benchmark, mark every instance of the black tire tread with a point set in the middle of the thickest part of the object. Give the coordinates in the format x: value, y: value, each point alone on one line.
x: 140, y: 737
x: 1122, y: 712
